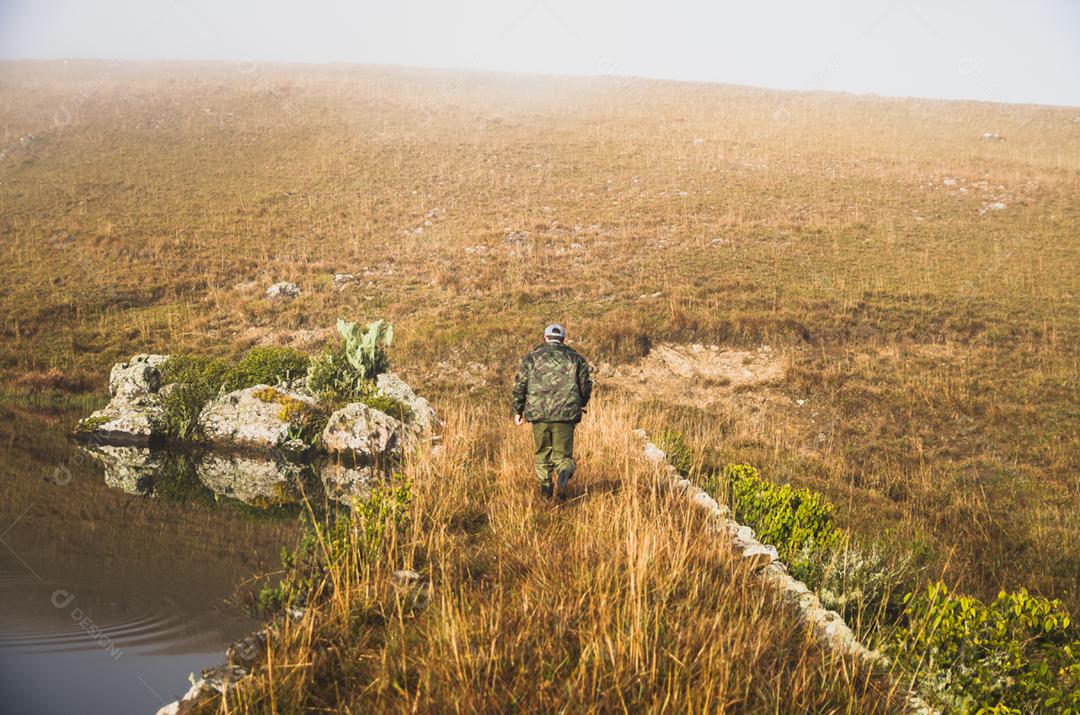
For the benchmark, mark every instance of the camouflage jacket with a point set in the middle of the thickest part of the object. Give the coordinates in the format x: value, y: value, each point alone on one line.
x: 553, y: 385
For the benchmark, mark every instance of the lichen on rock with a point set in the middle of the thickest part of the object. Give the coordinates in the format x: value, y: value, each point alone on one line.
x: 245, y: 418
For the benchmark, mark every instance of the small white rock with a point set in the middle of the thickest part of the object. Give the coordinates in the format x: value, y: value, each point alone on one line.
x: 283, y: 290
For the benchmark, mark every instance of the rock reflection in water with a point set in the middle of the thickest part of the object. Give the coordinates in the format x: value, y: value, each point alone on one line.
x: 130, y: 469
x: 257, y: 482
x: 148, y: 562
x: 206, y: 477
x: 342, y: 482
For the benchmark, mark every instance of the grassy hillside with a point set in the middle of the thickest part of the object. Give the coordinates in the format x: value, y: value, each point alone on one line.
x: 918, y: 283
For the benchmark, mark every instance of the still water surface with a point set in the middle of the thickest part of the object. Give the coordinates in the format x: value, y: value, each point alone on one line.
x: 109, y: 599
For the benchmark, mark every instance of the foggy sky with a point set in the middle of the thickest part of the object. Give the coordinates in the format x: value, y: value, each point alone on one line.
x: 994, y: 50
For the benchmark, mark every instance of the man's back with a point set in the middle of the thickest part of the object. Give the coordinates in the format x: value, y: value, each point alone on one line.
x: 551, y: 391
x: 553, y: 384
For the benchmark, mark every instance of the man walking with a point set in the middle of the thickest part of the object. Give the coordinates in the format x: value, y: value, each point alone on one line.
x: 551, y: 391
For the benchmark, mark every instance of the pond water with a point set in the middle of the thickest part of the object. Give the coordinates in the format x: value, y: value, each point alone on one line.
x: 120, y: 570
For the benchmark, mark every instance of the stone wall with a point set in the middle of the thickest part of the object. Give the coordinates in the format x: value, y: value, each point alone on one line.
x: 827, y: 625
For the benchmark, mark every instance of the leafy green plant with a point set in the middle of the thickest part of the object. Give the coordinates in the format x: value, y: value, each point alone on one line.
x: 1018, y: 654
x: 366, y: 351
x: 347, y: 541
x: 798, y: 522
x: 333, y: 378
x: 678, y: 452
x: 376, y: 515
x: 269, y: 365
x: 196, y: 370
x: 330, y: 376
x: 299, y: 579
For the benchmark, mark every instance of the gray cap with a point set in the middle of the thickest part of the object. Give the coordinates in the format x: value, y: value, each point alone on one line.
x: 554, y: 332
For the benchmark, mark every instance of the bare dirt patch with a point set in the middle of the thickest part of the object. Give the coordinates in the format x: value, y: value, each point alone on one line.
x: 303, y: 339
x: 742, y: 386
x: 701, y: 374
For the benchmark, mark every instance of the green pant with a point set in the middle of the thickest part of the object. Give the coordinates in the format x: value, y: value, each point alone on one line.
x: 554, y: 451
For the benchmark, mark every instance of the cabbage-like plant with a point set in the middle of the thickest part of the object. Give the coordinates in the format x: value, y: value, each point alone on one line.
x: 366, y: 351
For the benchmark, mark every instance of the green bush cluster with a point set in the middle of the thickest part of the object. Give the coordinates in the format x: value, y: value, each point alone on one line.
x: 330, y: 376
x: 798, y: 522
x: 678, y: 452
x: 293, y: 588
x: 193, y: 380
x: 334, y: 379
x: 1017, y: 654
x: 269, y: 366
x: 358, y: 359
x: 335, y: 376
x: 345, y: 542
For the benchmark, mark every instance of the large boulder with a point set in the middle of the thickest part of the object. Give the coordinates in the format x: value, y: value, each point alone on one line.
x: 259, y: 482
x: 423, y: 414
x: 252, y: 417
x: 139, y: 376
x: 363, y: 432
x: 130, y: 423
x: 133, y: 415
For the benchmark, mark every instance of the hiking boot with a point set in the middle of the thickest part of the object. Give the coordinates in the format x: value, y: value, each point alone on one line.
x: 547, y: 490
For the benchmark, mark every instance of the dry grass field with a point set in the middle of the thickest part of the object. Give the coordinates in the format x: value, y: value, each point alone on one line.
x: 612, y: 602
x: 917, y: 286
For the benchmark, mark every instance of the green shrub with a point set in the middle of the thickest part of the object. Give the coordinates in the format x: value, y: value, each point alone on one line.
x: 345, y: 542
x: 196, y: 370
x: 855, y: 582
x: 196, y: 379
x: 360, y: 357
x: 297, y: 583
x: 677, y: 451
x: 382, y: 512
x: 1018, y: 654
x: 332, y: 378
x: 798, y: 522
x: 269, y: 366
